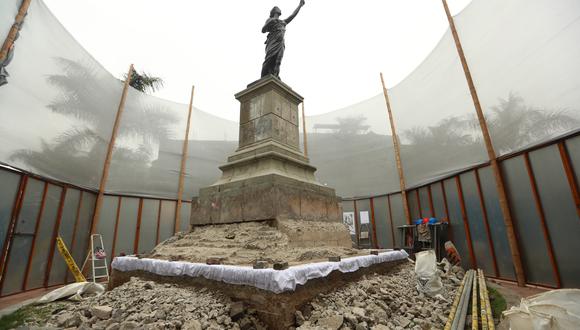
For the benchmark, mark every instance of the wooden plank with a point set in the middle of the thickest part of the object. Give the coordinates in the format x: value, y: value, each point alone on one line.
x: 109, y: 156
x: 570, y: 175
x: 445, y: 201
x: 138, y: 227
x: 158, y: 221
x: 396, y: 147
x: 542, y: 216
x: 356, y: 221
x: 500, y: 185
x: 375, y: 242
x: 177, y: 223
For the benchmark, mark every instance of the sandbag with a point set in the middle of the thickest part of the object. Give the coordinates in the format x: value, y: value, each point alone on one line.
x: 552, y: 310
x: 428, y: 280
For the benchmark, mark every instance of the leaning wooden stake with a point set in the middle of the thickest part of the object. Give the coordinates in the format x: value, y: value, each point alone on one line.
x: 183, y: 163
x: 397, y: 148
x: 304, y: 131
x: 109, y: 156
x: 9, y: 41
x: 502, y: 195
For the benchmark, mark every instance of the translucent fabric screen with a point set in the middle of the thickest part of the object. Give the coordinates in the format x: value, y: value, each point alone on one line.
x: 523, y: 55
x: 58, y: 107
x: 8, y: 11
x: 354, y: 140
x: 433, y: 111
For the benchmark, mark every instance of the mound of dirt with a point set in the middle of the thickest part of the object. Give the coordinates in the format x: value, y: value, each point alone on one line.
x: 245, y: 243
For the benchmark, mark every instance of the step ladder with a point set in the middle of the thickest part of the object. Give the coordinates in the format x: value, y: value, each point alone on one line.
x: 98, y: 264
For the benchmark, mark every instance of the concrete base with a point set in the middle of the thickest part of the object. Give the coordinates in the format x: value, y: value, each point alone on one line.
x: 267, y: 197
x: 276, y: 310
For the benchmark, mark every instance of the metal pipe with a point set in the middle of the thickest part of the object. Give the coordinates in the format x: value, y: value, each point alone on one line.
x: 455, y: 304
x: 462, y: 308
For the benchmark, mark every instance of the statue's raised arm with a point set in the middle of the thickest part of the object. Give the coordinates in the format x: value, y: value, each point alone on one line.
x: 276, y: 28
x: 296, y: 11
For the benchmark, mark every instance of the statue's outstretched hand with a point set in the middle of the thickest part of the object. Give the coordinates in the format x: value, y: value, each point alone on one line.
x: 302, y: 2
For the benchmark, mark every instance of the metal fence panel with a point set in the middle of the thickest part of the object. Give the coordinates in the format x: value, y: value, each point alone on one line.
x: 456, y: 226
x: 476, y: 222
x: 21, y: 243
x: 527, y: 222
x: 499, y: 238
x: 44, y: 238
x: 561, y: 217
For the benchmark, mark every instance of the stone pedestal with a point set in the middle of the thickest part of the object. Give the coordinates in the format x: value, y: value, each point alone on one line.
x: 267, y: 177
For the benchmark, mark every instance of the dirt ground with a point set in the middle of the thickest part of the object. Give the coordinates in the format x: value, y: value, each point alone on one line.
x: 245, y: 243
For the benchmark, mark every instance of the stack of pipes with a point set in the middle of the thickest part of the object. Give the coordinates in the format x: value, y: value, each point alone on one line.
x: 468, y: 288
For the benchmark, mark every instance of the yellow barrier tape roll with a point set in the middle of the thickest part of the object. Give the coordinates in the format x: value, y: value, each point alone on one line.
x: 69, y: 260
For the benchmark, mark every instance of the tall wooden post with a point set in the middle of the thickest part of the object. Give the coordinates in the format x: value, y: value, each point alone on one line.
x: 14, y: 29
x: 502, y: 195
x: 109, y: 156
x: 304, y: 131
x: 397, y: 147
x: 183, y: 163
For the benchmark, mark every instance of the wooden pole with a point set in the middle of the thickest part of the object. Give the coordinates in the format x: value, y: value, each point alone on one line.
x: 397, y: 148
x: 11, y: 37
x: 107, y: 164
x: 502, y: 195
x: 183, y: 163
x: 304, y: 131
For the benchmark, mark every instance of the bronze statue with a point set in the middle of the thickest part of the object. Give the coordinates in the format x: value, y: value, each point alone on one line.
x: 276, y: 28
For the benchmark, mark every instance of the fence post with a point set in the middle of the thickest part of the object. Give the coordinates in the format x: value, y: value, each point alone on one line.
x: 500, y: 186
x: 397, y: 147
x: 107, y: 164
x: 183, y: 163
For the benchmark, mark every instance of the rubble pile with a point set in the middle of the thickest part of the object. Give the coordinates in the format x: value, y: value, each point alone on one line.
x: 389, y: 301
x: 248, y: 242
x: 140, y: 304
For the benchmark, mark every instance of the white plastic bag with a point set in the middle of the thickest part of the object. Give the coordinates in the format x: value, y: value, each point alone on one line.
x: 428, y: 281
x: 72, y: 291
x: 552, y: 310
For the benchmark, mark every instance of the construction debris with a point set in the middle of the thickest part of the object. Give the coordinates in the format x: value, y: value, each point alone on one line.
x: 388, y: 301
x: 142, y: 304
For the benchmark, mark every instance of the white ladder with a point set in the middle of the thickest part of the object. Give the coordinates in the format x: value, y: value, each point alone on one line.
x: 91, y: 257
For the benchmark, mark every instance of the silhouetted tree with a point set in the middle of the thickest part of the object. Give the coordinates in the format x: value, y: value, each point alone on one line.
x: 144, y: 82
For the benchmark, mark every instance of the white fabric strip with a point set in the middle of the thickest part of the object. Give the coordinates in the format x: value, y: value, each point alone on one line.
x: 276, y: 281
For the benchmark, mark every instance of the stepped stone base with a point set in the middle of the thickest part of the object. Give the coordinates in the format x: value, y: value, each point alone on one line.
x: 267, y: 178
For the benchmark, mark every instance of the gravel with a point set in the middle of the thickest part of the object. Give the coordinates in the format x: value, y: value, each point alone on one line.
x: 140, y: 304
x: 378, y: 302
x: 389, y: 301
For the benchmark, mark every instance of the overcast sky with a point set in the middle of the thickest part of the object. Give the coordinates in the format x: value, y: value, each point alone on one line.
x: 335, y: 49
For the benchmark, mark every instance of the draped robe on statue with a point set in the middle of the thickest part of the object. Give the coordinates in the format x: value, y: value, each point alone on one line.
x: 274, y: 46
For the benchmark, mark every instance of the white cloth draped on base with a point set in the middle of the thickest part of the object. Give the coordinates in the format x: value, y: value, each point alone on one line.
x: 276, y: 281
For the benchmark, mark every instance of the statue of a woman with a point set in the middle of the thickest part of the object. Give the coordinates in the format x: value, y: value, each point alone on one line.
x: 276, y: 28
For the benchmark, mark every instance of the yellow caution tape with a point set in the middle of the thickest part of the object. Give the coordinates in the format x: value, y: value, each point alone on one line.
x: 69, y: 260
